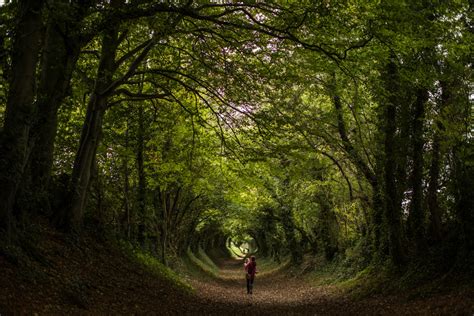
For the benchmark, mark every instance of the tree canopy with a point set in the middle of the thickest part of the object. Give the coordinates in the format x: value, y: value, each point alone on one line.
x: 306, y: 127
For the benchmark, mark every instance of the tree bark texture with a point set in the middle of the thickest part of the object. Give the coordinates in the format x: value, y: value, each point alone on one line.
x: 327, y: 221
x: 60, y: 54
x: 91, y: 131
x: 464, y: 198
x: 141, y: 194
x: 463, y: 169
x: 20, y: 108
x: 392, y: 214
x: 417, y: 215
x: 126, y: 189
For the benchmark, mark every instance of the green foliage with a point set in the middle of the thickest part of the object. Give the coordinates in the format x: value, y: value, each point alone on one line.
x: 267, y: 123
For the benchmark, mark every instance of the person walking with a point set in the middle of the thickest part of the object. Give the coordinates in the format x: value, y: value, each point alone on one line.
x: 251, y: 270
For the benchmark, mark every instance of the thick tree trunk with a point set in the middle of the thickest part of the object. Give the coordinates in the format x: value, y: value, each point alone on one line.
x: 416, y: 217
x: 464, y: 196
x: 84, y: 161
x: 392, y: 206
x: 58, y: 62
x: 463, y: 169
x: 91, y: 132
x: 326, y: 221
x: 19, y: 108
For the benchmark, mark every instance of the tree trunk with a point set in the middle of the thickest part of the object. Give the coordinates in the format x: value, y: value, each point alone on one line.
x: 164, y: 225
x: 376, y: 229
x: 433, y: 186
x: 416, y: 216
x: 91, y: 132
x: 289, y: 229
x: 434, y: 172
x: 60, y: 55
x: 326, y: 221
x: 83, y: 163
x: 19, y: 108
x: 126, y: 188
x: 141, y: 194
x: 392, y: 207
x: 463, y: 169
x: 464, y: 196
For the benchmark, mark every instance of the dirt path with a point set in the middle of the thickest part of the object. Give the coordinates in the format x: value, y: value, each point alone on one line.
x: 273, y: 293
x: 279, y: 294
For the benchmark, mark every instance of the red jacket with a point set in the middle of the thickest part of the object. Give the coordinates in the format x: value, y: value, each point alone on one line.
x: 251, y: 268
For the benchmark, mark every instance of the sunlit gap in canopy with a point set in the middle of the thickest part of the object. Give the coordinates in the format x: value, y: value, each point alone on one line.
x: 240, y: 247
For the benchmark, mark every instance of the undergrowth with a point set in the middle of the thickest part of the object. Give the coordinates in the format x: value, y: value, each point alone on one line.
x: 270, y: 266
x: 152, y: 263
x: 428, y: 275
x: 195, y: 265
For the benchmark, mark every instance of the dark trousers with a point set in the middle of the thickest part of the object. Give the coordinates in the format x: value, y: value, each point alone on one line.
x: 249, y: 284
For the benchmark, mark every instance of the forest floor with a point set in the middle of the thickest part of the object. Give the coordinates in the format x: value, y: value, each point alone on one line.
x: 54, y: 275
x: 277, y: 293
